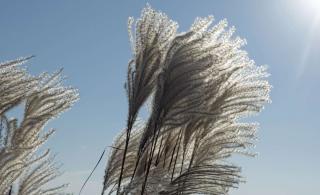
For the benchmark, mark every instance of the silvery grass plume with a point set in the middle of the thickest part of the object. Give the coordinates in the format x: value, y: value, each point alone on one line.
x: 153, y: 33
x: 22, y: 170
x: 202, y: 85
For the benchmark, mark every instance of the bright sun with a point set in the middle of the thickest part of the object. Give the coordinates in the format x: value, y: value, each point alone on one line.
x: 309, y: 8
x: 313, y: 5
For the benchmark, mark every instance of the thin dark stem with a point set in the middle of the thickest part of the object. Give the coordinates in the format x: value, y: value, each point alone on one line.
x: 192, y: 158
x: 84, y: 184
x: 130, y: 123
x: 165, y: 155
x: 174, y: 149
x: 136, y: 166
x: 153, y: 147
x: 183, y: 157
x: 115, y: 148
x: 158, y: 155
x: 175, y: 161
x: 10, y: 191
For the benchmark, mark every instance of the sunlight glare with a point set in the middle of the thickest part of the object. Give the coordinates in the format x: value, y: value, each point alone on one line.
x: 312, y: 5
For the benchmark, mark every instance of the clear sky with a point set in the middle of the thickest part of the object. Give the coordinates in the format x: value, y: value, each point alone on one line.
x: 89, y: 39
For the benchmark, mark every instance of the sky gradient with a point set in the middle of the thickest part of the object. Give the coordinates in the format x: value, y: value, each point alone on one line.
x: 89, y: 40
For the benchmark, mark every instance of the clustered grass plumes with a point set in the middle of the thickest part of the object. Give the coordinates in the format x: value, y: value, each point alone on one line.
x: 23, y: 171
x: 201, y: 82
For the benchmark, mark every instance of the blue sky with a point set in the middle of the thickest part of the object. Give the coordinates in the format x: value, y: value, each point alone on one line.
x: 89, y: 39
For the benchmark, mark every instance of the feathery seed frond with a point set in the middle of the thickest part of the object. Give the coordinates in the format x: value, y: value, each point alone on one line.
x: 43, y: 98
x: 204, y: 85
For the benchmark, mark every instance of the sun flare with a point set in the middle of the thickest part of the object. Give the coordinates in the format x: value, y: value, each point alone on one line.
x: 312, y: 5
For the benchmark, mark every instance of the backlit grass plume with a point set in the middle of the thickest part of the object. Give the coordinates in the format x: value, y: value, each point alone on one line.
x: 23, y: 171
x: 202, y: 83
